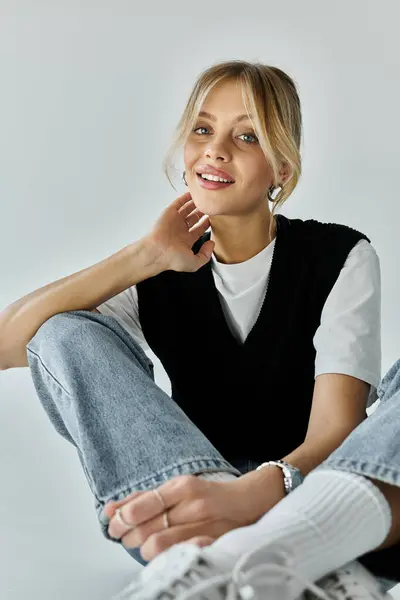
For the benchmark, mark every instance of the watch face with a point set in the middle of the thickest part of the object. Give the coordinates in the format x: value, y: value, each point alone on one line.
x: 295, y: 476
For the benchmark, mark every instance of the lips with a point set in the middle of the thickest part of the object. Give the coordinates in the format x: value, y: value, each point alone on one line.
x: 208, y: 170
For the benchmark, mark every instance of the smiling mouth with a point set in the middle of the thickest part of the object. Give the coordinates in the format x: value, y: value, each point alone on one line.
x: 213, y: 178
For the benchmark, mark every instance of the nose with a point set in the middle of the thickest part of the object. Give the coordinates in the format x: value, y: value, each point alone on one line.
x: 218, y: 150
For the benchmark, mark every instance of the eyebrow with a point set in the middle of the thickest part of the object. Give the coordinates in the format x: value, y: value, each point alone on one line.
x: 238, y: 119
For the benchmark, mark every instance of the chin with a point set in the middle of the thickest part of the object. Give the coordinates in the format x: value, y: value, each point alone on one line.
x: 211, y: 205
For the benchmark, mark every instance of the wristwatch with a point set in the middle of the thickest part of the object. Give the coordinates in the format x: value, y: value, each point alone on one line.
x: 292, y: 476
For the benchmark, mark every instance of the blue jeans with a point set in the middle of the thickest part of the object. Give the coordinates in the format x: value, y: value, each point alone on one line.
x: 97, y: 387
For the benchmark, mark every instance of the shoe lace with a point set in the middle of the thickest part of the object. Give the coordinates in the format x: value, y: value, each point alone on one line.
x: 343, y: 587
x: 243, y: 584
x: 199, y: 572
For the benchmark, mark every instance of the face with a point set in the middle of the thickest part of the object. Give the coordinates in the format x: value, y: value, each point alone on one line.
x: 224, y: 144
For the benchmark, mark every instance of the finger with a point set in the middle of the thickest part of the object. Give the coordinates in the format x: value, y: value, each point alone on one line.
x: 201, y: 540
x: 116, y: 529
x: 197, y: 213
x: 134, y: 515
x: 182, y: 488
x: 184, y: 513
x: 187, y: 209
x: 138, y: 536
x: 111, y: 507
x: 194, y: 218
x: 135, y: 538
x: 181, y: 200
x: 165, y: 539
x: 136, y: 511
x: 204, y: 254
x: 148, y: 505
x: 200, y: 227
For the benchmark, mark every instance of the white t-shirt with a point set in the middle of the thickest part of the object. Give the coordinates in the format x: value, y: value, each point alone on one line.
x: 347, y: 340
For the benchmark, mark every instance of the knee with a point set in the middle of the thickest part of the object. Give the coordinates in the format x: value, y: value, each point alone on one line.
x: 390, y: 384
x: 64, y: 330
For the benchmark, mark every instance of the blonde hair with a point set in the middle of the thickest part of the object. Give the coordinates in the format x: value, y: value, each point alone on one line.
x: 270, y: 95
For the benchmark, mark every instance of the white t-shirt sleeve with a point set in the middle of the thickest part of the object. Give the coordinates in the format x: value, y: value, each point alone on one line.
x: 348, y: 340
x: 124, y: 307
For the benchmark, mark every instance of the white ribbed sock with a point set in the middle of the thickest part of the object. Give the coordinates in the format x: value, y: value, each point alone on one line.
x: 329, y: 520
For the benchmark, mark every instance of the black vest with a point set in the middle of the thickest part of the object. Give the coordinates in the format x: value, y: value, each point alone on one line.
x: 251, y: 400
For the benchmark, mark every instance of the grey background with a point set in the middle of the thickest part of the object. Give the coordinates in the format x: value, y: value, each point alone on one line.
x: 90, y: 94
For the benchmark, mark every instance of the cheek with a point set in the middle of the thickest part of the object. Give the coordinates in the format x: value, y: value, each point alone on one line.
x: 189, y: 155
x: 260, y: 174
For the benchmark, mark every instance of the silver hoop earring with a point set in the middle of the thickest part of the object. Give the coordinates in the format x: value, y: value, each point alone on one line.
x: 184, y: 177
x: 274, y: 190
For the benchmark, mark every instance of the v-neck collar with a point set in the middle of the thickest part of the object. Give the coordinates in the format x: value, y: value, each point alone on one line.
x: 279, y: 283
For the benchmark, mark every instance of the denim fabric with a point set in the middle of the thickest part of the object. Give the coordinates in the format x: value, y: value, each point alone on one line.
x: 97, y: 387
x: 373, y: 448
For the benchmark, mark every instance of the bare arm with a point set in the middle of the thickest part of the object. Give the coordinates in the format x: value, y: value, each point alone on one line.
x: 338, y: 407
x: 85, y: 289
x: 168, y: 246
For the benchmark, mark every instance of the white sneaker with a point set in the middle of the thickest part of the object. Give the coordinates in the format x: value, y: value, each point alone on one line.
x: 175, y: 571
x: 352, y: 581
x: 186, y: 572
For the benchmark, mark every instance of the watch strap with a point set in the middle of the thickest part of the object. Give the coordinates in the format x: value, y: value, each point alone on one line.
x: 292, y: 476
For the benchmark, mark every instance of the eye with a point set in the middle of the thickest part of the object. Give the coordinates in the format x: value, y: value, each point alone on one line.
x: 253, y: 139
x: 197, y: 129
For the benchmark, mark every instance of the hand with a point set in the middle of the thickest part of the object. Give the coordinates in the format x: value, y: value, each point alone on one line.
x: 198, y: 510
x: 180, y: 225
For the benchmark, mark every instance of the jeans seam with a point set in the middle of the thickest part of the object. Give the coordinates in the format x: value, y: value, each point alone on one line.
x: 48, y: 371
x: 366, y: 468
x: 163, y: 475
x: 153, y: 481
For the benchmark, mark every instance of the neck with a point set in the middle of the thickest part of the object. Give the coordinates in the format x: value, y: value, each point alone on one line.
x: 239, y: 238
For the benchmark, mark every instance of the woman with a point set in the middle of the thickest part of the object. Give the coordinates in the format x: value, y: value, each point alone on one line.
x: 267, y: 327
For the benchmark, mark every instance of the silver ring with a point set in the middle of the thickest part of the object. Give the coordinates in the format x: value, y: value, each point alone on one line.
x: 120, y: 519
x: 159, y: 496
x: 165, y: 514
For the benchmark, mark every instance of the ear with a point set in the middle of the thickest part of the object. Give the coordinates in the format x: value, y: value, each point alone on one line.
x: 284, y: 173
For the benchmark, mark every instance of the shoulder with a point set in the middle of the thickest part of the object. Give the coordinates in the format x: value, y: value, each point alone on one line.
x: 364, y: 250
x: 317, y: 230
x: 363, y: 258
x: 327, y: 241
